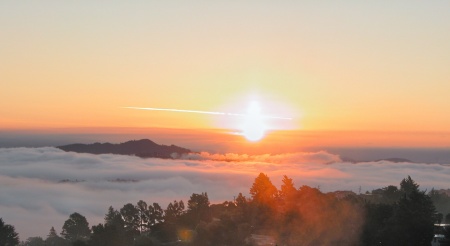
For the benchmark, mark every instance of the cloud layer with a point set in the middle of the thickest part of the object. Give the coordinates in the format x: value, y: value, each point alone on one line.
x: 41, y: 187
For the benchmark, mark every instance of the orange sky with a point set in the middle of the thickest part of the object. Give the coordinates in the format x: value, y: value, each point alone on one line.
x: 372, y: 67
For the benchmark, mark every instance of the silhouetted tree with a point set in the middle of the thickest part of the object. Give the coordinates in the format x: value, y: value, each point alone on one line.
x: 241, y: 200
x: 287, y: 188
x: 34, y: 241
x: 174, y: 210
x: 53, y: 239
x: 113, y: 217
x: 130, y: 215
x: 261, y: 208
x: 109, y: 235
x: 173, y: 215
x: 242, y: 208
x: 413, y: 220
x: 440, y: 200
x: 198, y: 208
x: 391, y: 194
x: 8, y: 235
x: 113, y: 232
x: 377, y: 217
x: 144, y: 214
x: 262, y: 190
x: 155, y: 215
x: 408, y: 185
x: 79, y: 243
x: 76, y: 228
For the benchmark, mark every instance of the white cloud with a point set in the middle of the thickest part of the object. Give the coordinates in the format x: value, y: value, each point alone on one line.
x: 302, y: 157
x: 32, y: 198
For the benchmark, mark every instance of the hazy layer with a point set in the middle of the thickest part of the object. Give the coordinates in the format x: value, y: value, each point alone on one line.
x: 428, y: 147
x: 33, y: 198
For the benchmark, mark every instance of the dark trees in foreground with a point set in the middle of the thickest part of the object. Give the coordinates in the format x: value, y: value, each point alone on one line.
x: 8, y: 234
x: 34, y: 241
x: 198, y: 208
x: 76, y: 228
x: 288, y: 216
x: 54, y: 240
x: 409, y: 221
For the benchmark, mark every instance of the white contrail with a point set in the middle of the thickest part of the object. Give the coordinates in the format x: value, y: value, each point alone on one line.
x: 205, y: 112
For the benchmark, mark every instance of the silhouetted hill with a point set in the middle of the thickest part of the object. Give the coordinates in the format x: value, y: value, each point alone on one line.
x: 141, y: 148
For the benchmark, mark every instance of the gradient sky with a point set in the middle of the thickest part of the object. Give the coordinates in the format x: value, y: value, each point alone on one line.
x: 333, y: 65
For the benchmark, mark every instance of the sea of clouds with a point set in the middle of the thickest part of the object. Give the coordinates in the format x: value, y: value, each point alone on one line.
x: 41, y: 187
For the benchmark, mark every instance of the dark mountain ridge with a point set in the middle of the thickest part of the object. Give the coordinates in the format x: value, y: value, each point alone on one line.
x: 143, y: 148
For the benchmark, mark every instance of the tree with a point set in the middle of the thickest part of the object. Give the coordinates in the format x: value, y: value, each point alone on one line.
x: 113, y: 232
x: 174, y: 210
x: 242, y: 208
x: 262, y: 190
x: 53, y: 239
x: 8, y: 235
x: 144, y: 214
x: 412, y: 220
x: 287, y: 188
x: 109, y: 235
x: 35, y: 241
x: 391, y: 194
x: 52, y: 233
x: 114, y: 218
x: 241, y: 200
x: 76, y: 228
x: 198, y: 207
x: 168, y: 231
x: 408, y: 185
x: 155, y: 214
x: 376, y: 218
x: 440, y: 200
x: 130, y: 215
x: 79, y: 243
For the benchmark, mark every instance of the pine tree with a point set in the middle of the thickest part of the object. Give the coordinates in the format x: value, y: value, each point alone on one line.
x: 8, y: 234
x: 408, y: 185
x: 76, y: 228
x: 53, y: 239
x: 287, y: 188
x: 262, y: 190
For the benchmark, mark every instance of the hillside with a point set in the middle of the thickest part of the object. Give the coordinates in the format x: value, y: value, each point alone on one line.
x: 143, y: 148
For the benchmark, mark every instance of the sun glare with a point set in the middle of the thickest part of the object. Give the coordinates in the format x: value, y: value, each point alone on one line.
x: 253, y: 128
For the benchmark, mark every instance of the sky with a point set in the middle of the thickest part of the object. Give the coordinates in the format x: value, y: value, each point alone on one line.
x: 331, y: 66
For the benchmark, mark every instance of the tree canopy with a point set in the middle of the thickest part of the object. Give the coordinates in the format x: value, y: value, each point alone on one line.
x: 288, y: 216
x: 76, y: 228
x: 262, y: 190
x: 8, y: 234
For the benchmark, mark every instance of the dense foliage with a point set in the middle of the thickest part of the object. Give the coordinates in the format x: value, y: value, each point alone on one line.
x: 8, y: 235
x: 288, y: 216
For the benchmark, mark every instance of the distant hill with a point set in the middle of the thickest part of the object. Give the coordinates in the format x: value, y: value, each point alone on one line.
x: 143, y: 148
x: 396, y: 160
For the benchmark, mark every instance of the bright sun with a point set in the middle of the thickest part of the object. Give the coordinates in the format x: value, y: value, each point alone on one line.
x: 254, y: 124
x: 253, y: 128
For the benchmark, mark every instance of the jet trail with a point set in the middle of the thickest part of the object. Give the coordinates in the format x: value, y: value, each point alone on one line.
x: 204, y: 112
